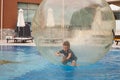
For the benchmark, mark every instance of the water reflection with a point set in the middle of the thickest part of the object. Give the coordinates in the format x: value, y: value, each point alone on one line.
x: 69, y: 73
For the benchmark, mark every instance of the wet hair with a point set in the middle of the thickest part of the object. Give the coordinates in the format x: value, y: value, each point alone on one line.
x: 66, y: 43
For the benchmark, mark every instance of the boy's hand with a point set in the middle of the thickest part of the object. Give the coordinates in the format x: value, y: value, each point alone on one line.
x: 62, y: 55
x: 57, y: 54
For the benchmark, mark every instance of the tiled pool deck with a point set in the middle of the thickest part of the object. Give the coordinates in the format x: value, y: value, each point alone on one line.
x: 29, y: 43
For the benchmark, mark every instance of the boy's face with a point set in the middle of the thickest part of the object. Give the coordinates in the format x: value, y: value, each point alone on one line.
x: 65, y: 48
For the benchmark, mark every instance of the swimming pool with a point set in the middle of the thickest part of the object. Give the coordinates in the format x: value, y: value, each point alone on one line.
x: 32, y: 66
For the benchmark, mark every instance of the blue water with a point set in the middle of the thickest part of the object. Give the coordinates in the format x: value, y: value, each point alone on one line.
x: 32, y: 66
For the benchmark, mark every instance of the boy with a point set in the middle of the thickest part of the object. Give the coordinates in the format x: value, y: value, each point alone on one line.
x: 68, y: 55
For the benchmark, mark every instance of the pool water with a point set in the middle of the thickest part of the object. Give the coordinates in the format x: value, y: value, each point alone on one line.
x: 32, y: 66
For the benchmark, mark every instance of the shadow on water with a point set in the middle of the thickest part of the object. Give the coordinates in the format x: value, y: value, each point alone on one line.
x: 7, y: 62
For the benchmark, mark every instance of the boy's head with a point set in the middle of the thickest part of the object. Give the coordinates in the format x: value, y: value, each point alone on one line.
x: 66, y: 45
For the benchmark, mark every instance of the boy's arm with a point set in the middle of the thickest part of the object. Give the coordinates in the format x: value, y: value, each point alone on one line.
x: 69, y: 56
x: 57, y: 53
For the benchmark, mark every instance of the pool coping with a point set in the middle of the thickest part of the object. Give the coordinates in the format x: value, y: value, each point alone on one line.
x: 3, y: 42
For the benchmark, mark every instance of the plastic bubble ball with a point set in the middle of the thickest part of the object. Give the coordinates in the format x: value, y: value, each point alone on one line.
x: 86, y: 24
